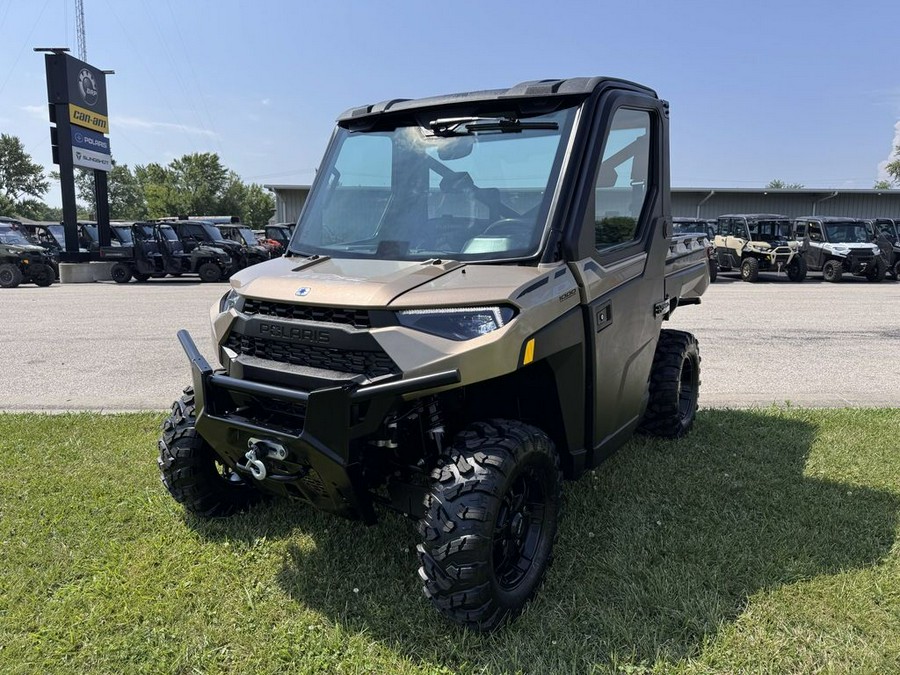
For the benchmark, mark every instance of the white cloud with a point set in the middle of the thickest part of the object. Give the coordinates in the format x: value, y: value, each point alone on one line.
x: 266, y: 101
x: 42, y: 112
x: 882, y: 166
x: 159, y: 127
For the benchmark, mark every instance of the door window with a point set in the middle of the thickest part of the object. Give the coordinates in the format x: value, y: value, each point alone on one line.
x: 620, y: 188
x: 815, y: 232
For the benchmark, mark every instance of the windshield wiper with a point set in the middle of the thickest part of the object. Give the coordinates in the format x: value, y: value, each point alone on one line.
x: 450, y: 126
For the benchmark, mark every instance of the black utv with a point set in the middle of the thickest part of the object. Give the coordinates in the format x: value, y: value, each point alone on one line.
x: 887, y: 237
x: 21, y: 261
x: 254, y: 252
x: 194, y: 233
x: 280, y: 232
x: 836, y: 246
x: 154, y: 250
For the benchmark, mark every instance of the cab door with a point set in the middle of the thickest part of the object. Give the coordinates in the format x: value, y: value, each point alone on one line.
x: 625, y: 239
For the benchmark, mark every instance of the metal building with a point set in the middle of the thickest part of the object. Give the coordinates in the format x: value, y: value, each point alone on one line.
x: 708, y: 202
x: 712, y: 202
x: 289, y: 201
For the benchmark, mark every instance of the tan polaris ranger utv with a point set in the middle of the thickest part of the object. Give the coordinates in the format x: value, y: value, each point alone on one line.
x: 758, y: 242
x: 469, y: 309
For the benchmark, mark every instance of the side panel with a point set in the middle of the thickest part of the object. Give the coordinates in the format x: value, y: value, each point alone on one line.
x: 622, y: 283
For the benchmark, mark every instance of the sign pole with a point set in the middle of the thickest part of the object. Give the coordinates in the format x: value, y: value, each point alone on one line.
x: 101, y: 198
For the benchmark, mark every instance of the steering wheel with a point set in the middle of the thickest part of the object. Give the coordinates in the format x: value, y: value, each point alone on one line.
x: 508, y: 226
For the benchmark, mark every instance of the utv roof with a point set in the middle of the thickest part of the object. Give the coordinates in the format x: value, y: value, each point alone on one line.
x: 832, y: 219
x: 756, y: 216
x: 533, y: 89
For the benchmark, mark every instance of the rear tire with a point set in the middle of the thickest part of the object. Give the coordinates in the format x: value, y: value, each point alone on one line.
x: 833, y: 271
x: 193, y: 473
x: 674, y: 386
x: 750, y: 269
x: 42, y: 275
x: 120, y: 273
x: 797, y: 269
x: 490, y: 522
x: 896, y: 269
x: 10, y: 276
x: 140, y: 277
x: 209, y: 272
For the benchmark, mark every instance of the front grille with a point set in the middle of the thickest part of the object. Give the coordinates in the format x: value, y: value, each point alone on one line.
x: 358, y: 318
x: 372, y: 364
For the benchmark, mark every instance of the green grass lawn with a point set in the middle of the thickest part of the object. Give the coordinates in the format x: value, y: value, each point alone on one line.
x: 767, y: 541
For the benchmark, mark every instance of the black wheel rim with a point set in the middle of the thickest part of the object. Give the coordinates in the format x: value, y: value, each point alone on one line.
x: 687, y: 390
x: 520, y: 528
x: 6, y: 277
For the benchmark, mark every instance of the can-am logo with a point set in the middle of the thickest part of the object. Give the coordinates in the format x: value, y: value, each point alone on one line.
x: 303, y: 291
x: 87, y: 86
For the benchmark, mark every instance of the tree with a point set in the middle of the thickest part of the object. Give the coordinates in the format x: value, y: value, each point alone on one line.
x: 126, y: 198
x: 259, y: 205
x: 893, y: 168
x: 19, y: 176
x: 778, y: 184
x: 883, y: 185
x: 200, y: 185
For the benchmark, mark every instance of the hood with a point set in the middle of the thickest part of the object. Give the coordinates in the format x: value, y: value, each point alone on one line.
x: 27, y: 248
x: 397, y: 284
x: 343, y: 282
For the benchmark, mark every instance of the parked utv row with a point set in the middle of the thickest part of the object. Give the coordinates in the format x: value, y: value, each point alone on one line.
x: 140, y: 250
x: 756, y: 243
x: 21, y: 261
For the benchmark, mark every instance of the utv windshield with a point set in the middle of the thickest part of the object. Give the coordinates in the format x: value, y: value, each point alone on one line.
x: 167, y: 233
x: 769, y: 230
x: 58, y: 232
x: 13, y: 237
x: 462, y: 188
x: 123, y: 233
x: 847, y: 233
x: 247, y: 236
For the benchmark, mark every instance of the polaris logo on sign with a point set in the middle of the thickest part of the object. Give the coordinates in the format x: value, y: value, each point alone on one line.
x: 90, y: 140
x: 303, y: 291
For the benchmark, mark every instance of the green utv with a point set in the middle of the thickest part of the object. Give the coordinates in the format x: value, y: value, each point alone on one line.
x: 469, y: 310
x: 21, y: 261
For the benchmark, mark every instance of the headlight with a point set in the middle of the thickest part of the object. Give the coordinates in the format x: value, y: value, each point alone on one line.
x: 458, y: 323
x: 229, y: 300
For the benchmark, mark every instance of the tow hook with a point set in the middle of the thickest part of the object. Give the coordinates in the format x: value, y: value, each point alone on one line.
x: 258, y: 450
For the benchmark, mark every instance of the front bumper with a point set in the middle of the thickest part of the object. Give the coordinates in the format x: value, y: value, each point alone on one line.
x: 317, y: 429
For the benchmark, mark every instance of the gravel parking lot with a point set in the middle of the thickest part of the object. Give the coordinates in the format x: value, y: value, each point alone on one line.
x: 105, y: 346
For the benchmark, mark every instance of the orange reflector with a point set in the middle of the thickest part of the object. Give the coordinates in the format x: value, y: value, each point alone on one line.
x: 529, y: 352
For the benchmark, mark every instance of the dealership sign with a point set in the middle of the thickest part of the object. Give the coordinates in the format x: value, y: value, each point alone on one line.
x: 89, y: 140
x: 87, y: 159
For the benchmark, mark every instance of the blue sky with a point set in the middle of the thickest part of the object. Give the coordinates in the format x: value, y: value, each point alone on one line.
x: 807, y: 92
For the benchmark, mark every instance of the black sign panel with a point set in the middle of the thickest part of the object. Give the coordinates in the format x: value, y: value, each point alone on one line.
x: 72, y: 81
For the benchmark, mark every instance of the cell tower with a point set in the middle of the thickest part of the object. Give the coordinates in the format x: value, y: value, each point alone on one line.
x: 79, y: 29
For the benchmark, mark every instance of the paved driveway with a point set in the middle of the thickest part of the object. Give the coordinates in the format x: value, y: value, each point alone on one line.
x: 113, y: 347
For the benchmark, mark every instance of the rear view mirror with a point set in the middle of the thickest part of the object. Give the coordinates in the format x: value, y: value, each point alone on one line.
x: 456, y: 147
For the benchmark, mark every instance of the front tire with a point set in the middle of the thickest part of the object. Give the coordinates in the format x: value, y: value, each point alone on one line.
x: 42, y: 275
x: 797, y: 269
x: 193, y: 473
x: 896, y: 270
x: 120, y: 273
x: 877, y: 273
x: 209, y: 272
x: 490, y: 522
x: 713, y: 271
x: 674, y: 386
x: 10, y: 276
x: 750, y: 269
x: 833, y: 271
